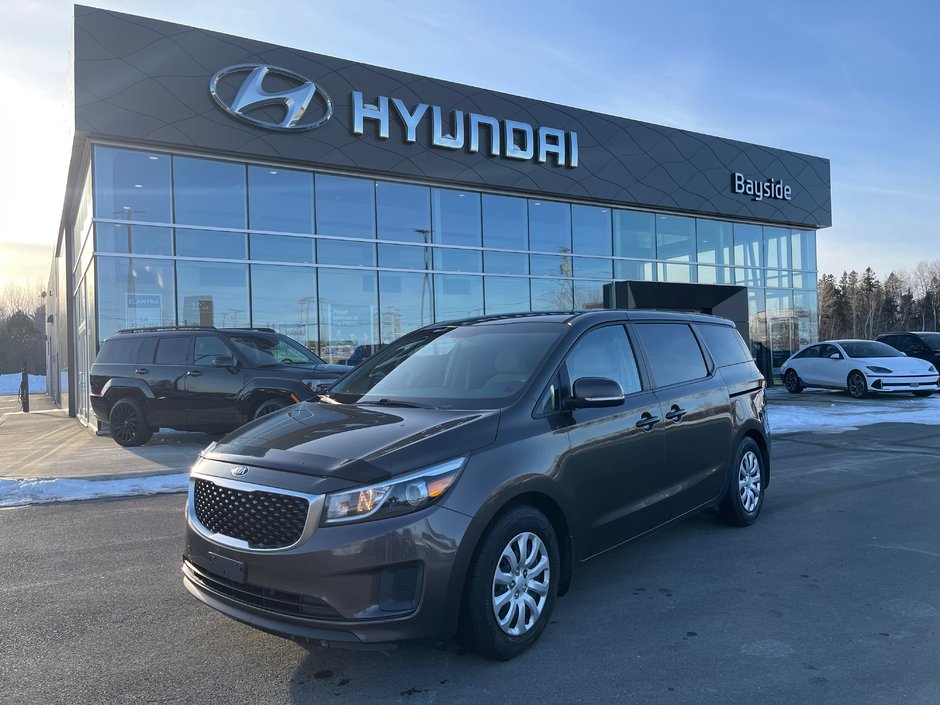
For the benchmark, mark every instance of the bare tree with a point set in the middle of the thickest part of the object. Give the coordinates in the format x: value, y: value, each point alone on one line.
x: 23, y: 297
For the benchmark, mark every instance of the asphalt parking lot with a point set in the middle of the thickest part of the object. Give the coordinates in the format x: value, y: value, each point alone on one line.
x: 830, y: 598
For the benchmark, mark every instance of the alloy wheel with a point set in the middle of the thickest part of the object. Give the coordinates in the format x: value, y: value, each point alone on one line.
x: 791, y: 381
x: 124, y: 422
x: 520, y: 584
x: 857, y: 386
x: 749, y: 481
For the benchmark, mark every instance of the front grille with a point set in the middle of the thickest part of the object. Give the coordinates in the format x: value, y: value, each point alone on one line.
x: 279, y: 601
x: 931, y: 383
x: 261, y: 519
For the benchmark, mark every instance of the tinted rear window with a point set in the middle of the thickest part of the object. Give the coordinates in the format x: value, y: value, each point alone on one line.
x: 725, y: 344
x: 128, y: 351
x: 172, y: 351
x: 673, y: 352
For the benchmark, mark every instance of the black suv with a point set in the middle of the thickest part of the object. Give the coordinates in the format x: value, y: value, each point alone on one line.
x: 925, y: 346
x: 200, y: 379
x: 456, y: 479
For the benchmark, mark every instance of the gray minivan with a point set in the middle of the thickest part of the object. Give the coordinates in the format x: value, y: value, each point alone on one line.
x: 453, y: 482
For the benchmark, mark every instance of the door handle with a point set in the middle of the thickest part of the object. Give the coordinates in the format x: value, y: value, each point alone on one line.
x: 194, y: 373
x: 676, y: 414
x: 647, y: 421
x: 141, y: 371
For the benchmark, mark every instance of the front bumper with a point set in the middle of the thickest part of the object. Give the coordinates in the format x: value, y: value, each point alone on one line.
x: 885, y: 383
x: 388, y: 580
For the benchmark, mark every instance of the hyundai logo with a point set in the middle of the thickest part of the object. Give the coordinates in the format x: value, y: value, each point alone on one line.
x: 239, y: 471
x: 239, y: 90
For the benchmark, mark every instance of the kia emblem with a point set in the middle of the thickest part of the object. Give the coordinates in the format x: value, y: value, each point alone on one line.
x: 239, y: 471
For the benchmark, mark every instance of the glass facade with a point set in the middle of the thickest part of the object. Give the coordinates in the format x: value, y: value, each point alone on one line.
x: 344, y: 263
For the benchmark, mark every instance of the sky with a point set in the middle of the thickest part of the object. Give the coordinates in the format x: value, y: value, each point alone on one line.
x: 854, y: 82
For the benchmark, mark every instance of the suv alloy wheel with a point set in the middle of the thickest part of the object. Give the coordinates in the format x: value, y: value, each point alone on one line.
x: 128, y: 423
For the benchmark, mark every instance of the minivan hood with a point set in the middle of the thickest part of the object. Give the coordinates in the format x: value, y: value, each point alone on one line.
x: 361, y: 444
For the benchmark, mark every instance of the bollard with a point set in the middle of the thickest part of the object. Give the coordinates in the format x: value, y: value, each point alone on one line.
x: 24, y: 390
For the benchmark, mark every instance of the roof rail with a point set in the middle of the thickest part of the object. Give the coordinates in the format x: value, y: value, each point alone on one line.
x: 263, y: 329
x: 158, y: 328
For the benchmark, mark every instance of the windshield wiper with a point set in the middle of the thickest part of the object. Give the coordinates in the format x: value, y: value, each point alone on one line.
x: 385, y: 401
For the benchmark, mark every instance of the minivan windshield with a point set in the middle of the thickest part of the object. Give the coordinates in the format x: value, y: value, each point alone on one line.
x: 453, y: 367
x: 869, y: 348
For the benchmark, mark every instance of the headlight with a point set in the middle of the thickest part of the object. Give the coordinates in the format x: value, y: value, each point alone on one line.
x: 879, y: 370
x: 400, y: 495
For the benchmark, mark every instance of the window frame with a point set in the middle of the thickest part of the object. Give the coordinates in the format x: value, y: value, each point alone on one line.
x: 560, y: 378
x: 188, y: 338
x: 703, y: 351
x: 220, y: 338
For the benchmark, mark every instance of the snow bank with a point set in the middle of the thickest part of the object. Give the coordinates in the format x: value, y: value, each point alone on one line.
x: 10, y: 383
x: 15, y: 493
x: 846, y: 415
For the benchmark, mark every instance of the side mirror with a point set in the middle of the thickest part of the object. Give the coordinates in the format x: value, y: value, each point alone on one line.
x: 835, y: 356
x: 594, y: 392
x: 223, y: 361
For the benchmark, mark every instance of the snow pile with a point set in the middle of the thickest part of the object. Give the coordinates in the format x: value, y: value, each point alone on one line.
x: 15, y: 493
x: 837, y: 417
x: 10, y: 383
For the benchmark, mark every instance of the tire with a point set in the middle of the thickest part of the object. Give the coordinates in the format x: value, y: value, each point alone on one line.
x: 128, y: 423
x: 745, y: 495
x: 791, y: 380
x: 266, y: 406
x: 856, y: 385
x: 492, y: 577
x: 923, y: 393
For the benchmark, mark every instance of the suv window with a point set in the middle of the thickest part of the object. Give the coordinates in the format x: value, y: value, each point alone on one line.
x: 725, y: 344
x: 605, y: 352
x: 268, y: 350
x: 673, y: 352
x: 906, y: 343
x: 127, y: 351
x: 930, y: 340
x: 208, y: 347
x: 892, y: 340
x: 172, y: 351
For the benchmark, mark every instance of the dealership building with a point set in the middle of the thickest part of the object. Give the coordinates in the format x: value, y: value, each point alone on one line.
x: 222, y: 181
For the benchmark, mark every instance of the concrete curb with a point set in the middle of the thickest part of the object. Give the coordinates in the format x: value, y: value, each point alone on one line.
x: 104, y: 477
x: 29, y: 492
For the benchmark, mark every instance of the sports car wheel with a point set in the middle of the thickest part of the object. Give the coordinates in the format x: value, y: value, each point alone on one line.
x: 791, y: 380
x: 857, y: 385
